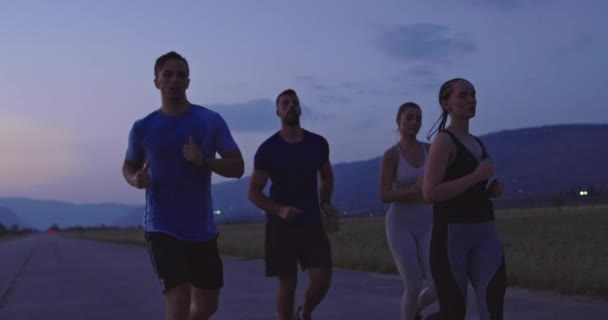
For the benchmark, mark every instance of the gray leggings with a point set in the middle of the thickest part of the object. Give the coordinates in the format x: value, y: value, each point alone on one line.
x: 409, y: 236
x: 461, y: 252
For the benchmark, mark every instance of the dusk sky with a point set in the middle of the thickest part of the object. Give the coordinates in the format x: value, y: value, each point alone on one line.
x: 75, y: 75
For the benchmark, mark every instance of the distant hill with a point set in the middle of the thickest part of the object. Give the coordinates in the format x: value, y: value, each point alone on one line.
x: 532, y: 162
x: 8, y: 218
x: 546, y: 160
x: 41, y: 214
x: 135, y: 217
x: 538, y: 161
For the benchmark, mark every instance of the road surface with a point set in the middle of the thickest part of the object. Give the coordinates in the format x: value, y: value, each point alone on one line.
x: 53, y: 277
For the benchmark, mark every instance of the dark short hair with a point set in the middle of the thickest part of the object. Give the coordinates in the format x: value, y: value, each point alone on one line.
x: 286, y: 92
x: 160, y: 62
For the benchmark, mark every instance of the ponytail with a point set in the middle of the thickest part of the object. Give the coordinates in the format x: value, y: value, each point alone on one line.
x: 443, y: 118
x: 444, y: 94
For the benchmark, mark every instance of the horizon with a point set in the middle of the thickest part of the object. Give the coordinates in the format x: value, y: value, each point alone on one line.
x: 76, y: 76
x: 141, y: 203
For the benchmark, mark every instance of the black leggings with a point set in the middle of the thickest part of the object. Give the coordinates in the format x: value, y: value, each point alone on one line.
x: 468, y: 251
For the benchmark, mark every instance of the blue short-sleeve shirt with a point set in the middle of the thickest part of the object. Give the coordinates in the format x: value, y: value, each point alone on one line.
x: 178, y: 200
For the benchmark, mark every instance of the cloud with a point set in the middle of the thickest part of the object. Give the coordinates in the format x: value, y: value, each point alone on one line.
x: 345, y: 85
x: 375, y: 92
x: 422, y: 42
x: 306, y: 78
x: 258, y: 115
x: 505, y: 5
x: 325, y: 93
x: 579, y: 43
x: 413, y: 75
x: 35, y: 153
x: 334, y: 99
x: 421, y: 71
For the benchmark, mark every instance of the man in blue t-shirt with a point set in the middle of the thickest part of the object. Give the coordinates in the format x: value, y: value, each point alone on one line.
x: 171, y: 154
x: 292, y: 158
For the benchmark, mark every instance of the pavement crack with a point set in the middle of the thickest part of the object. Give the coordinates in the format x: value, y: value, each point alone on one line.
x: 11, y: 284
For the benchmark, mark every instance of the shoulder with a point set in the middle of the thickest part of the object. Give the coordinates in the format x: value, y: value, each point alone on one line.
x: 315, y: 137
x: 477, y: 138
x: 391, y: 154
x: 270, y: 142
x: 210, y: 118
x: 206, y: 113
x: 443, y: 139
x: 391, y: 151
x: 142, y: 123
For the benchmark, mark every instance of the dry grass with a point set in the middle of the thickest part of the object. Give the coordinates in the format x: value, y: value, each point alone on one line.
x: 559, y: 250
x: 10, y: 237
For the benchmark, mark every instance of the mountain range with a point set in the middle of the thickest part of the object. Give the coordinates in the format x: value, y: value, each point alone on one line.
x: 531, y: 162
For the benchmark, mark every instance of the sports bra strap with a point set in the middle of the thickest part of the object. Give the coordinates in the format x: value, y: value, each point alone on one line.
x: 460, y: 144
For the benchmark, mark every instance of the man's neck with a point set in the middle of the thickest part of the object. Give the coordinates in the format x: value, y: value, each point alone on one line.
x: 173, y: 108
x: 291, y: 134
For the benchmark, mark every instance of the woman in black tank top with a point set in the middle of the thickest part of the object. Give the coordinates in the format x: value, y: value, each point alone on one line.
x: 464, y: 244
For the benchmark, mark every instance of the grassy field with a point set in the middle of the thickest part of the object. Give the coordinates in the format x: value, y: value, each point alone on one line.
x: 563, y: 250
x: 10, y: 237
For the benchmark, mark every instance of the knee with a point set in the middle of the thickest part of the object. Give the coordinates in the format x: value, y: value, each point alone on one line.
x: 320, y: 284
x: 178, y: 295
x: 287, y: 286
x: 288, y: 283
x: 204, y: 312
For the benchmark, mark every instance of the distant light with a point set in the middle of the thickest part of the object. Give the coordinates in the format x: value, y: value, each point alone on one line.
x: 217, y: 212
x: 583, y: 193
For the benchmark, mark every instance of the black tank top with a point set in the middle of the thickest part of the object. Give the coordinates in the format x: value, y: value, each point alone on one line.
x: 473, y: 205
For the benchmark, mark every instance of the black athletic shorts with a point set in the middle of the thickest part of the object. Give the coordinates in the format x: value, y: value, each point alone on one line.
x: 288, y: 244
x: 176, y: 261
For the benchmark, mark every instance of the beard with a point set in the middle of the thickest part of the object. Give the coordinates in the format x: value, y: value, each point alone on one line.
x: 292, y: 120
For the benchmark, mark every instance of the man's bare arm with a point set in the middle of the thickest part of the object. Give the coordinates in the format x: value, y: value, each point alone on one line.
x: 256, y: 195
x: 230, y: 165
x: 135, y: 174
x: 326, y: 187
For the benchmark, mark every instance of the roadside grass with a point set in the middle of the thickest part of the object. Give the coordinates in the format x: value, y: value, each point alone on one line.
x: 561, y: 250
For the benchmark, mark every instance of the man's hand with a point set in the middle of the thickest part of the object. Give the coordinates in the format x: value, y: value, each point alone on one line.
x: 495, y: 189
x: 192, y: 153
x: 330, y: 219
x: 329, y: 209
x: 288, y: 213
x: 141, y: 179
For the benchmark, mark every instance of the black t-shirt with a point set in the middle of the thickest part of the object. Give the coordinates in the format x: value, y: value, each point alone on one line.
x: 293, y: 170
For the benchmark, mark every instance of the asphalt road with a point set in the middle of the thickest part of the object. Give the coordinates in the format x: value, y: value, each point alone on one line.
x: 52, y: 277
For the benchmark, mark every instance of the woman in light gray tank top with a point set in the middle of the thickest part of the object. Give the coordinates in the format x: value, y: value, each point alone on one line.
x: 409, y: 219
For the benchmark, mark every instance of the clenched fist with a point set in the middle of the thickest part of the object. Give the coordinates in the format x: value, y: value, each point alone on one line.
x: 288, y: 213
x: 495, y: 189
x: 141, y: 179
x: 484, y: 170
x: 329, y: 209
x: 193, y: 153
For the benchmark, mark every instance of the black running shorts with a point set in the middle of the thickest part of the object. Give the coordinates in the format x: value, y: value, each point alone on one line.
x: 286, y: 245
x: 176, y: 261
